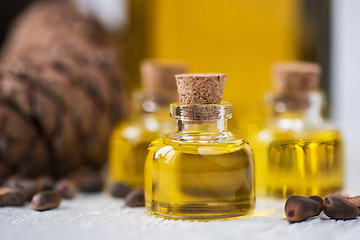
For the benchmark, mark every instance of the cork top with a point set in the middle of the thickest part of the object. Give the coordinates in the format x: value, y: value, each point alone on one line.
x: 158, y: 79
x: 200, y: 88
x: 295, y: 77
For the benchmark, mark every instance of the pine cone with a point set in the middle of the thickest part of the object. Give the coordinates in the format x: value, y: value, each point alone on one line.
x: 61, y: 91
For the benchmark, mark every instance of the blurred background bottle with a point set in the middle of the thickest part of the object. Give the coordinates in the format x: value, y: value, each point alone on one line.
x: 149, y: 119
x: 298, y: 151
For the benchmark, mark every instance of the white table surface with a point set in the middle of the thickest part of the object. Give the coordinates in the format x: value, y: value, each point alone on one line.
x: 100, y: 216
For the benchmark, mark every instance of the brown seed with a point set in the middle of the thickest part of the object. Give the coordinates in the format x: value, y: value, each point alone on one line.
x: 90, y: 182
x: 135, y: 198
x: 354, y: 200
x: 28, y: 185
x: 298, y: 208
x: 339, y: 208
x: 45, y: 183
x: 119, y: 190
x: 45, y: 200
x: 12, y: 197
x: 20, y: 190
x: 319, y: 201
x: 65, y: 188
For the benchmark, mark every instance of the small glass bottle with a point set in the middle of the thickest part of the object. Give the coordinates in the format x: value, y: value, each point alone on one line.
x: 200, y: 170
x: 149, y: 120
x: 298, y: 151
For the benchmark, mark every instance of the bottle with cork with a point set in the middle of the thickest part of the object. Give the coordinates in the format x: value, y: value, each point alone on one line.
x: 200, y: 170
x: 149, y: 120
x: 297, y: 151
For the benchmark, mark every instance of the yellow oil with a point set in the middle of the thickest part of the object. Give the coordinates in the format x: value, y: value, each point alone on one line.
x: 129, y: 143
x: 240, y: 37
x: 307, y: 162
x: 188, y: 180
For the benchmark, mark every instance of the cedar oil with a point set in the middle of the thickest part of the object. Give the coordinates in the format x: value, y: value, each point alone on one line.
x: 200, y: 171
x: 298, y: 152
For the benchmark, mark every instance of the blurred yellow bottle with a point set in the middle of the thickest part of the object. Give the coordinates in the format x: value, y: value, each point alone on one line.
x: 297, y: 151
x: 244, y: 38
x: 149, y: 119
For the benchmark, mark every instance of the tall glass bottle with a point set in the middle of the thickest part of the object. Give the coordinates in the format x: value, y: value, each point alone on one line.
x: 200, y: 170
x: 298, y: 151
x: 149, y: 120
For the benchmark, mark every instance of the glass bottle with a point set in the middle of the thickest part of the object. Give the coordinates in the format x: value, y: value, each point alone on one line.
x: 298, y: 151
x: 149, y: 120
x: 200, y: 170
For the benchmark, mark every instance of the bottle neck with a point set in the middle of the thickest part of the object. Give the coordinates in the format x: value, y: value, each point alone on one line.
x: 200, y: 119
x: 289, y: 111
x: 199, y: 126
x: 147, y: 104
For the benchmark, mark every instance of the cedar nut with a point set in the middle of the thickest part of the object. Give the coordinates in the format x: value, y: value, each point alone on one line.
x: 65, y: 188
x: 339, y: 208
x: 135, y: 198
x: 299, y: 208
x: 45, y: 200
x: 119, y: 190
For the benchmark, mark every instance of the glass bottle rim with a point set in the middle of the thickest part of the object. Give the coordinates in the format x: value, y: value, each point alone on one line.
x: 279, y: 101
x: 203, y: 112
x: 270, y: 95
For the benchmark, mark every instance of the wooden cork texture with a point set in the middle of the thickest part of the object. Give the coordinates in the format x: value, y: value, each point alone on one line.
x: 293, y: 82
x: 200, y: 88
x: 296, y: 77
x: 158, y: 79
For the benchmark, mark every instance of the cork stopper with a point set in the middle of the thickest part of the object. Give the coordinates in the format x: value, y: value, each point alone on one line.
x: 200, y: 88
x: 158, y: 79
x: 294, y: 77
x: 293, y: 82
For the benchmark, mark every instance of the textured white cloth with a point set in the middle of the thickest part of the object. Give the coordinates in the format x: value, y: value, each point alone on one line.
x: 99, y: 216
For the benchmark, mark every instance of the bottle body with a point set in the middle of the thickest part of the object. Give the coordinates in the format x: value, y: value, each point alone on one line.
x: 292, y: 163
x: 199, y: 174
x: 129, y: 143
x: 298, y: 155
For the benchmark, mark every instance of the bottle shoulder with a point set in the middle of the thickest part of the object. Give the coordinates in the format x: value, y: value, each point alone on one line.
x: 205, y: 138
x: 148, y: 126
x: 299, y: 124
x: 324, y: 132
x: 198, y: 146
